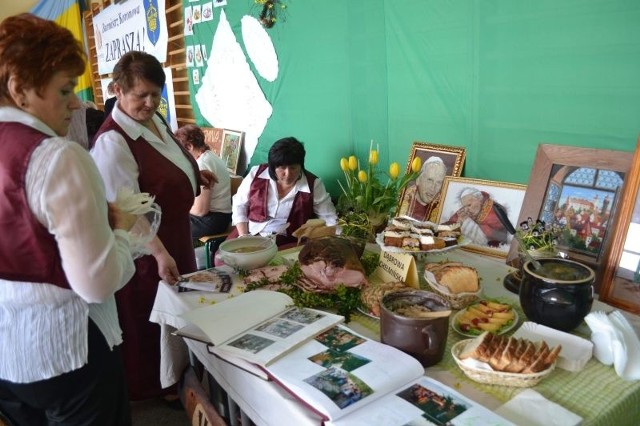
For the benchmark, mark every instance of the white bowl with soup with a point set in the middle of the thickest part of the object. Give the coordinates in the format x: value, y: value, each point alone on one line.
x: 247, y: 253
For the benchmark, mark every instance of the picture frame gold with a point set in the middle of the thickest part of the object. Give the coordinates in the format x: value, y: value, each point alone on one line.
x: 619, y: 276
x: 481, y: 223
x: 410, y: 202
x: 568, y: 181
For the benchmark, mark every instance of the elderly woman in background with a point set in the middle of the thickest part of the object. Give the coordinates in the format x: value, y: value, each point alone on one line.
x: 211, y: 210
x: 280, y: 196
x: 135, y: 149
x: 60, y: 259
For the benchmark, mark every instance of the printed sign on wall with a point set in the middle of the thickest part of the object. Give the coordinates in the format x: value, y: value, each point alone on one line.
x: 131, y: 25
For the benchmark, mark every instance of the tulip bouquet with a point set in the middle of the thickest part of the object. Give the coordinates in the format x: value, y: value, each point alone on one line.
x: 366, y: 202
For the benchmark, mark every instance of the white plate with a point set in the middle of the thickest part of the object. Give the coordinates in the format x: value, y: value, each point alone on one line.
x: 575, y: 353
x: 503, y: 330
x: 462, y: 241
x: 369, y: 314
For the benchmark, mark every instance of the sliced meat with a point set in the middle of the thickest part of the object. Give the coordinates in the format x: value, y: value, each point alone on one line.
x: 329, y: 261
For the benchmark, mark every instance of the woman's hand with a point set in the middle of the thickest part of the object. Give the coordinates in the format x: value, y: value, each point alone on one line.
x: 167, y: 268
x: 208, y: 178
x: 119, y: 219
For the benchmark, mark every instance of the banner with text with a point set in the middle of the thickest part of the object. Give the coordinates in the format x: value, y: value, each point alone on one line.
x: 132, y: 25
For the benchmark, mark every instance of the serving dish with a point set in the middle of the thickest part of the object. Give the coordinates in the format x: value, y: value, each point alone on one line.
x: 368, y: 314
x: 246, y: 253
x: 476, y: 332
x: 462, y: 241
x: 576, y: 351
x: 457, y: 300
x: 496, y: 377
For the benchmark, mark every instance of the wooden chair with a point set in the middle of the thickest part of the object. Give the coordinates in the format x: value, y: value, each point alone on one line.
x: 211, y: 242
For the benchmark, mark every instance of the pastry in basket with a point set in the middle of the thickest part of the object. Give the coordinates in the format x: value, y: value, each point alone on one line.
x: 372, y: 294
x: 455, y: 276
x: 510, y: 354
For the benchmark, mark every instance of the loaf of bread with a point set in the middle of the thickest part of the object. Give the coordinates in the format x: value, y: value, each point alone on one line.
x: 457, y: 277
x: 510, y: 354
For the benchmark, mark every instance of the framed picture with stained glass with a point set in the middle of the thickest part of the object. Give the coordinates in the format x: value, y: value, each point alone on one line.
x: 579, y: 190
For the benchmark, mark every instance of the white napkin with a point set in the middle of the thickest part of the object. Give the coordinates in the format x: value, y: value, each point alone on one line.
x: 529, y: 408
x: 615, y: 342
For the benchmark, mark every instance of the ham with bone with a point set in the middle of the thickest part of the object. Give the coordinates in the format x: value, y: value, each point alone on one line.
x: 325, y: 263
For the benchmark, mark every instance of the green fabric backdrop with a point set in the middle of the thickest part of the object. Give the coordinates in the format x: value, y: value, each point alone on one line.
x: 497, y: 77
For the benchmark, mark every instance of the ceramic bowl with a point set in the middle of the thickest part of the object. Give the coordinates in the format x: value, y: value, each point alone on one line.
x: 247, y: 253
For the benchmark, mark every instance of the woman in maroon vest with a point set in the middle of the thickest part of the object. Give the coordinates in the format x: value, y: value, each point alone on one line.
x: 279, y: 197
x: 60, y: 260
x: 135, y: 149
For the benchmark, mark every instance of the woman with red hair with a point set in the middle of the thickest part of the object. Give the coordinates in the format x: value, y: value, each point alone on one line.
x: 64, y: 251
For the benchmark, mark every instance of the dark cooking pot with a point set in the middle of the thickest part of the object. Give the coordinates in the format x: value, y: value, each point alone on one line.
x: 423, y: 338
x: 559, y: 294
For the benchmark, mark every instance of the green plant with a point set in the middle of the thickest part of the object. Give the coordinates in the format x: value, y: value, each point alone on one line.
x: 363, y: 190
x: 539, y: 236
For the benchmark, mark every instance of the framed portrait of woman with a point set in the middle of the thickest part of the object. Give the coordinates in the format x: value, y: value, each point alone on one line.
x: 420, y: 199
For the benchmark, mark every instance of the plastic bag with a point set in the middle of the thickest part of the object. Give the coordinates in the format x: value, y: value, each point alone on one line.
x: 149, y: 214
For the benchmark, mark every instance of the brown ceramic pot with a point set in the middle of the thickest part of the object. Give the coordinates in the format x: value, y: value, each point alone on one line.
x: 423, y: 338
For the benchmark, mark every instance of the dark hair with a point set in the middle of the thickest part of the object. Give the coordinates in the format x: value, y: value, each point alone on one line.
x: 285, y: 152
x: 29, y: 45
x: 191, y: 134
x: 135, y: 65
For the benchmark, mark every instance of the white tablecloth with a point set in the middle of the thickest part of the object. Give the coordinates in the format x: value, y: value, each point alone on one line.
x: 265, y: 402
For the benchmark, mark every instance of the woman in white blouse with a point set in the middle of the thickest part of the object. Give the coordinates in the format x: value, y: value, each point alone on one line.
x: 135, y: 149
x: 64, y: 252
x: 279, y: 197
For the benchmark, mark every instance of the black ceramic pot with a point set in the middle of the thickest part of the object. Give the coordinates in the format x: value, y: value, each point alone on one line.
x: 559, y: 295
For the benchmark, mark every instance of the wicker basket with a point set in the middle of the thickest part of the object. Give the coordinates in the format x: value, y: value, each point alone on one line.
x: 497, y: 377
x: 457, y: 300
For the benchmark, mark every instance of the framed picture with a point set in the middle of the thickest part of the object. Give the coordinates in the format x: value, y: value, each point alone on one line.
x: 213, y: 139
x: 421, y: 198
x: 230, y: 149
x: 579, y: 190
x: 619, y: 276
x: 472, y: 204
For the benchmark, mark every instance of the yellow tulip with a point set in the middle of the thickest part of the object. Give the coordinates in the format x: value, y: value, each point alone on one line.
x: 344, y: 164
x: 394, y: 170
x: 416, y: 164
x: 373, y: 157
x: 353, y: 163
x: 362, y: 176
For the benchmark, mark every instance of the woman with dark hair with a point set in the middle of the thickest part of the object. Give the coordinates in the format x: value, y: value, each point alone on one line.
x: 64, y: 251
x: 280, y: 196
x: 135, y: 149
x: 211, y: 210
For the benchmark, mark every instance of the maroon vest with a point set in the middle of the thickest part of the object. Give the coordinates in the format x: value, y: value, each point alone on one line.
x: 28, y: 252
x: 172, y: 189
x: 301, y: 211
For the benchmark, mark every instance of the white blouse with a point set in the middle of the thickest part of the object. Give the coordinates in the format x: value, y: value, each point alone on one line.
x: 278, y: 210
x: 47, y: 325
x: 116, y: 162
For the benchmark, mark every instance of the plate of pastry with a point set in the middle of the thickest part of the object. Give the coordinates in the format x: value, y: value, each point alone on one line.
x: 485, y: 315
x: 406, y: 235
